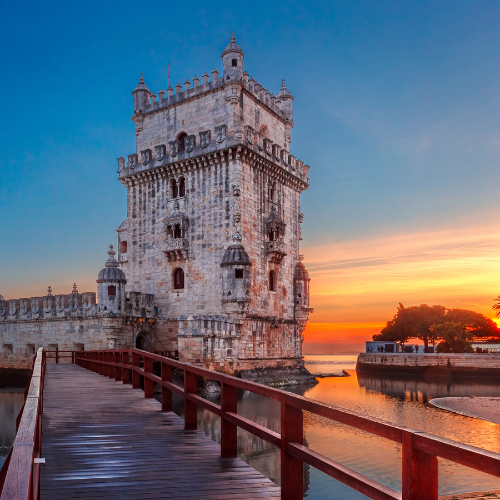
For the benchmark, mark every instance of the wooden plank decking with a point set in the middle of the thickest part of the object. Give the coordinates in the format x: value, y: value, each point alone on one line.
x: 103, y: 439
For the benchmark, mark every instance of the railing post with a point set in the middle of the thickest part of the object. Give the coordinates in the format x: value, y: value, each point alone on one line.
x: 190, y: 410
x: 136, y: 377
x: 126, y: 368
x: 118, y: 369
x: 292, y: 469
x: 110, y: 359
x: 166, y: 394
x: 148, y: 383
x: 57, y: 356
x: 73, y: 357
x: 229, y: 431
x: 102, y: 366
x: 420, y: 471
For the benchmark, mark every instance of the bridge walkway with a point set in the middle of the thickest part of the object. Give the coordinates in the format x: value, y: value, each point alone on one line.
x: 103, y: 440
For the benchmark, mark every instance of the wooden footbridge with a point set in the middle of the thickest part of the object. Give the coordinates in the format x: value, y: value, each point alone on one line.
x: 81, y: 435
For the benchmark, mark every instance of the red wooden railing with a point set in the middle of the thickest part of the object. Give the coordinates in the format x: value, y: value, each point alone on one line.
x: 420, y: 450
x: 20, y: 474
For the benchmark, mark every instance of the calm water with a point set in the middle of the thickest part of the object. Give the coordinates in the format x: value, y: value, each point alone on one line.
x: 11, y: 402
x: 403, y: 402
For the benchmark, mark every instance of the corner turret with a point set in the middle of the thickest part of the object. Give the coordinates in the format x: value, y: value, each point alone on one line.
x: 141, y: 96
x: 111, y: 286
x: 285, y: 102
x: 232, y: 61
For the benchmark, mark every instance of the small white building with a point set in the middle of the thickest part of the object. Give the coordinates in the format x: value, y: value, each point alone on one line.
x: 485, y: 347
x: 382, y: 346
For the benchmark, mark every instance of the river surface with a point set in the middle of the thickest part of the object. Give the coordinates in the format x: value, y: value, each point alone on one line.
x: 11, y: 402
x: 398, y: 400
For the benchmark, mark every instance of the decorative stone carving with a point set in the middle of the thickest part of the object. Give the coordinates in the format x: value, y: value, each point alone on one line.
x: 132, y: 161
x: 160, y: 152
x: 249, y: 135
x: 35, y: 305
x: 291, y: 162
x: 277, y: 151
x: 284, y: 157
x: 88, y: 300
x: 121, y: 164
x: 275, y: 246
x: 60, y: 300
x: 174, y: 148
x: 220, y: 133
x: 13, y: 306
x: 204, y: 138
x: 190, y: 143
x: 236, y: 204
x: 146, y: 156
x: 23, y: 306
x: 268, y: 146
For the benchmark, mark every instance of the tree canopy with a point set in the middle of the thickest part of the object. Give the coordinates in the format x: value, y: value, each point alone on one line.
x: 454, y: 327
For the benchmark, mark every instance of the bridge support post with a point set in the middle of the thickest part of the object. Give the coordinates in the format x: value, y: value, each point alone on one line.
x: 110, y: 359
x: 292, y: 468
x: 420, y: 471
x: 190, y: 410
x: 118, y: 369
x: 229, y: 431
x: 126, y: 369
x: 148, y: 383
x: 166, y: 394
x: 136, y: 377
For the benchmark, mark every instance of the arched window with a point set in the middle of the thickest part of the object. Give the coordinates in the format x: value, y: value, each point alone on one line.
x: 140, y: 342
x: 178, y: 279
x: 170, y: 232
x: 272, y: 235
x: 272, y: 281
x: 234, y: 63
x: 174, y: 189
x: 182, y: 141
x: 238, y: 274
x: 182, y: 187
x: 123, y: 247
x: 177, y: 231
x: 111, y: 290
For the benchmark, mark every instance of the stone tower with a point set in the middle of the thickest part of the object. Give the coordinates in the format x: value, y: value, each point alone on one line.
x: 213, y: 220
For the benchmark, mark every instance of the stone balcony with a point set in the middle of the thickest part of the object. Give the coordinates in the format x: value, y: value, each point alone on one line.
x: 275, y: 251
x: 176, y: 249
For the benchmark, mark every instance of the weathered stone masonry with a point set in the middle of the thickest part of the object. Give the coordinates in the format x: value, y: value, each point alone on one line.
x: 211, y: 239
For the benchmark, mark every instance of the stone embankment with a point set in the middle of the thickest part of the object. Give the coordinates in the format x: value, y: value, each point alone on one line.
x: 465, y: 365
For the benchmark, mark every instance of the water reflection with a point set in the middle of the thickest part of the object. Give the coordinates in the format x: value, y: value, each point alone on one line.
x: 11, y: 402
x: 401, y: 401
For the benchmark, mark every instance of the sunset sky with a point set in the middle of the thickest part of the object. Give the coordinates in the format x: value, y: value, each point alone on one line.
x: 397, y: 110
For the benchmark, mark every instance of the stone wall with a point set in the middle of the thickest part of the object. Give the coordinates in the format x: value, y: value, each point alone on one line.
x: 431, y: 364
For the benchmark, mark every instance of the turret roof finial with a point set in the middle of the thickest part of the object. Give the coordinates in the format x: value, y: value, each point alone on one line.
x: 233, y: 46
x: 49, y: 290
x: 74, y: 288
x: 111, y: 262
x: 141, y: 85
x: 141, y: 79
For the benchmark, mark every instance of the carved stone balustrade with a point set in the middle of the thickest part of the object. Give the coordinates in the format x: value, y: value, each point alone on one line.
x: 176, y: 249
x: 275, y: 251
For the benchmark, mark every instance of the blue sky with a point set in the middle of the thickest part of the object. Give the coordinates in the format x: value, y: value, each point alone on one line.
x: 396, y: 109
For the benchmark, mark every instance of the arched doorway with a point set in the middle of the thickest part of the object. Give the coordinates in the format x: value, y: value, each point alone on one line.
x: 143, y: 342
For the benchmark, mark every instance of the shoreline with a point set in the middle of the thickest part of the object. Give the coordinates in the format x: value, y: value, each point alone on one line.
x: 484, y: 408
x: 476, y: 495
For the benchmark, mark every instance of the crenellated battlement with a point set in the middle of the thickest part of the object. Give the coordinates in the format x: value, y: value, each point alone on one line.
x: 195, y: 89
x: 72, y: 305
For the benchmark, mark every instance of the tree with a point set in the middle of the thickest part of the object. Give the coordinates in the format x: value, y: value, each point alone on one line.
x: 496, y: 307
x: 455, y: 337
x: 397, y: 329
x: 475, y: 324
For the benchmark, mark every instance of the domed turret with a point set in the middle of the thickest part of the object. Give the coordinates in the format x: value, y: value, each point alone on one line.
x: 111, y: 286
x: 232, y: 61
x: 235, y: 277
